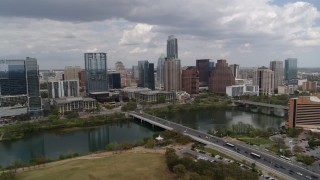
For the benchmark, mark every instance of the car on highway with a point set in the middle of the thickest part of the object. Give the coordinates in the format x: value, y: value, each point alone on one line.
x: 299, y: 173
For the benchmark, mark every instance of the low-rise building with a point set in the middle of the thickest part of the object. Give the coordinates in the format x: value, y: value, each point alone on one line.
x: 131, y: 92
x: 76, y: 104
x: 238, y: 90
x: 309, y: 86
x: 304, y: 112
x: 59, y: 89
x: 289, y: 89
x: 153, y: 96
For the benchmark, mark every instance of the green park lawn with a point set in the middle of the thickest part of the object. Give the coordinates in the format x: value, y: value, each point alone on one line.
x: 118, y: 166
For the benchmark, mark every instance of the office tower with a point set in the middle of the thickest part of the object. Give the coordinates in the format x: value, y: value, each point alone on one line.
x: 114, y: 80
x: 190, y: 80
x: 123, y: 73
x: 33, y: 86
x: 172, y: 75
x: 59, y: 89
x: 277, y: 68
x: 135, y: 72
x: 304, y: 111
x: 160, y: 71
x: 235, y: 70
x: 172, y: 47
x: 221, y: 77
x: 71, y: 73
x: 290, y: 69
x: 96, y: 72
x: 146, y: 74
x: 82, y: 82
x: 203, y: 66
x: 264, y: 78
x: 12, y: 77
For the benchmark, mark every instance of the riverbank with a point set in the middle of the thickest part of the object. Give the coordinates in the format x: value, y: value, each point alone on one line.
x: 19, y: 130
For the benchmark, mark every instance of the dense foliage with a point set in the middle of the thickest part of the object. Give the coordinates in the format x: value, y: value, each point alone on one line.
x: 130, y: 106
x: 188, y: 168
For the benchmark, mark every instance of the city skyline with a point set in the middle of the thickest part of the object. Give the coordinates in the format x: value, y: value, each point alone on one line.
x: 60, y: 32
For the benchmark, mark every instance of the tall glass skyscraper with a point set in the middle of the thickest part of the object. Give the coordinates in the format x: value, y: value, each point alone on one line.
x: 160, y: 71
x: 290, y: 68
x: 33, y: 86
x: 146, y: 74
x: 172, y: 47
x: 12, y: 77
x: 96, y: 72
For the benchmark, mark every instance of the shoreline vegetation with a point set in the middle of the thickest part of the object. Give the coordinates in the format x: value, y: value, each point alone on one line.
x: 19, y: 130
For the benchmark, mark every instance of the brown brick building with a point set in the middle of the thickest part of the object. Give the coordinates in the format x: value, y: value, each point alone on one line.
x: 304, y: 111
x: 309, y: 86
x: 221, y: 77
x: 190, y: 80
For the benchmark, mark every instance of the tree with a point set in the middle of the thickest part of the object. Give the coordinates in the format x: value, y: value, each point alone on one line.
x: 278, y: 142
x: 297, y: 149
x: 150, y: 143
x: 161, y: 99
x: 180, y: 170
x: 253, y: 166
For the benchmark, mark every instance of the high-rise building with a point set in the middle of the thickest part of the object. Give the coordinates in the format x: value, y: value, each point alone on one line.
x: 123, y: 73
x: 83, y: 82
x: 277, y: 68
x: 146, y: 74
x: 135, y: 73
x: 190, y: 80
x: 235, y: 70
x: 304, y: 111
x: 96, y: 72
x: 71, y: 73
x: 12, y: 77
x: 33, y: 86
x: 290, y: 69
x: 172, y: 75
x: 19, y: 81
x: 172, y: 47
x: 114, y: 80
x: 264, y: 78
x: 160, y: 71
x: 59, y: 89
x: 221, y: 77
x: 205, y: 68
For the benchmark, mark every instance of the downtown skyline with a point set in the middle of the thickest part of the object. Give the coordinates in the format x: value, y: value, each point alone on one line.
x: 60, y: 32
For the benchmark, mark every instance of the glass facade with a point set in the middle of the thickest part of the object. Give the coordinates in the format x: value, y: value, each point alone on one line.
x: 96, y: 72
x: 291, y: 69
x: 172, y: 47
x: 12, y: 77
x: 33, y: 85
x: 146, y: 74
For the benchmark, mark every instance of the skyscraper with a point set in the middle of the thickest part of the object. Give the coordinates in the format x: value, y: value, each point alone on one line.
x: 96, y: 72
x: 277, y: 68
x: 190, y: 80
x: 172, y: 75
x: 204, y: 71
x: 13, y: 77
x: 264, y: 78
x: 71, y: 73
x: 221, y: 77
x: 172, y: 47
x: 146, y: 74
x: 160, y: 71
x: 290, y: 69
x: 33, y: 86
x: 235, y: 70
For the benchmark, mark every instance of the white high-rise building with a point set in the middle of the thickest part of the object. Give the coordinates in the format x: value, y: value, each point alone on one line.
x: 264, y: 78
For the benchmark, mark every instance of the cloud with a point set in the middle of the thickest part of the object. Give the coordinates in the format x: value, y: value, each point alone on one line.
x: 138, y: 50
x: 140, y: 33
x: 61, y: 31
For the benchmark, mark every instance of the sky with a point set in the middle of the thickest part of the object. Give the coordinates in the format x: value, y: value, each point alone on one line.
x: 248, y: 32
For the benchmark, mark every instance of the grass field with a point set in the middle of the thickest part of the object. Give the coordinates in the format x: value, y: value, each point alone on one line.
x: 118, y: 166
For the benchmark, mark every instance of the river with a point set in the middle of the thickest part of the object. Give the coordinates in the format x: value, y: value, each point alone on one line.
x: 54, y: 143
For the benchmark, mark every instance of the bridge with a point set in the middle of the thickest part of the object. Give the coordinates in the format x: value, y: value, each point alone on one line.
x: 268, y: 161
x: 244, y: 102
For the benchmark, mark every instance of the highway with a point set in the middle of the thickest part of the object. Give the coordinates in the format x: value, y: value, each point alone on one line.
x: 274, y: 162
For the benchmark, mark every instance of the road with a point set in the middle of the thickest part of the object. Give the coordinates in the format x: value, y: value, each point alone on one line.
x: 273, y: 162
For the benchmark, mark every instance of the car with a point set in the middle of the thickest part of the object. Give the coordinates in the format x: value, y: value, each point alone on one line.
x: 282, y: 167
x: 308, y: 177
x: 246, y: 152
x: 299, y: 173
x: 314, y: 177
x: 276, y: 165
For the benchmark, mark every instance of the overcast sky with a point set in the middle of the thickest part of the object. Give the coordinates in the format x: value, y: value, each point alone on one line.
x: 247, y: 32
